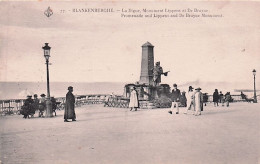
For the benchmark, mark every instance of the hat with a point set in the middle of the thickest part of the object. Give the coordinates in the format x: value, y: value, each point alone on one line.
x: 70, y: 87
x: 190, y: 87
x: 198, y: 88
x: 29, y: 95
x: 175, y: 85
x: 35, y: 95
x: 43, y: 95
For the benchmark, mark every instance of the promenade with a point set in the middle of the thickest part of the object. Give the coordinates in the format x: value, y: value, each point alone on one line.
x: 118, y: 136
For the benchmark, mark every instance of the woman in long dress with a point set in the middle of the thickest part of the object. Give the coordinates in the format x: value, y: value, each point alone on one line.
x: 70, y: 106
x: 134, y: 103
x: 190, y: 104
x: 198, y: 101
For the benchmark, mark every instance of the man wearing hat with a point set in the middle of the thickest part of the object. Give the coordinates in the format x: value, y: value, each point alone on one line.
x: 29, y: 100
x: 36, y: 102
x: 70, y: 106
x: 190, y: 95
x: 42, y: 105
x: 27, y: 108
x: 175, y: 99
x: 221, y: 98
x: 215, y: 97
x: 227, y: 98
x: 198, y: 101
x: 54, y: 104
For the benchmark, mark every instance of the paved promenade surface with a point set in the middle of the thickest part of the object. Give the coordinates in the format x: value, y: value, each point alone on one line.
x: 118, y: 136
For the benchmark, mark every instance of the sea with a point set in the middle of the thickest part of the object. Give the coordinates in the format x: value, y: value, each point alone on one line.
x: 19, y: 90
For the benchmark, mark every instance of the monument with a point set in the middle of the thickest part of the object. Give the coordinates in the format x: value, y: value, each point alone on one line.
x: 149, y: 89
x: 147, y: 64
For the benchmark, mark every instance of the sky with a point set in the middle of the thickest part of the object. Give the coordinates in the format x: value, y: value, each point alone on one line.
x: 104, y: 47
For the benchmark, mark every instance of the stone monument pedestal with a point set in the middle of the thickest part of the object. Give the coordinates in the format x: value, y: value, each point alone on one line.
x: 147, y: 94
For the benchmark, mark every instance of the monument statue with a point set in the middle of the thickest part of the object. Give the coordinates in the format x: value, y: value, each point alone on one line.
x: 157, y: 72
x: 151, y: 93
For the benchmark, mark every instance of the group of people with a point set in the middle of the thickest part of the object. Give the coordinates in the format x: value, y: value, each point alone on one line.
x: 219, y: 97
x: 194, y: 100
x: 32, y: 105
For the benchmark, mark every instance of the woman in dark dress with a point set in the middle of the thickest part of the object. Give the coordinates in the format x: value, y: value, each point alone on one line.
x: 215, y: 97
x: 70, y: 106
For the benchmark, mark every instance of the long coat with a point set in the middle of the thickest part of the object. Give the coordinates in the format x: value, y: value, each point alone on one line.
x: 215, y: 97
x: 134, y: 103
x: 36, y: 103
x: 28, y: 107
x: 198, y: 102
x: 70, y: 107
x: 190, y: 97
x: 42, y: 104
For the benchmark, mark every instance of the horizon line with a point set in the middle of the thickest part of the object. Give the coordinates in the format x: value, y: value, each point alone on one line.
x: 62, y: 82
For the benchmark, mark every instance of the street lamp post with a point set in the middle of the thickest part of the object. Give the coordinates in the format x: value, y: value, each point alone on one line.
x: 255, y: 99
x: 46, y: 50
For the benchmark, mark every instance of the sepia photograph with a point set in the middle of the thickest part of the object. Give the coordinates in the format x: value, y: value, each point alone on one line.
x: 129, y: 82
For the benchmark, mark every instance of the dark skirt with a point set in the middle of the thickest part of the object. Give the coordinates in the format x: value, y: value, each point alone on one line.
x: 69, y: 112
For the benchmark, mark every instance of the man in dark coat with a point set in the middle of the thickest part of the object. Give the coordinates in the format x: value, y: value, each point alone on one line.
x: 175, y: 99
x: 215, y: 97
x: 36, y: 102
x: 221, y: 98
x: 183, y: 99
x: 27, y: 108
x: 54, y: 105
x: 70, y: 106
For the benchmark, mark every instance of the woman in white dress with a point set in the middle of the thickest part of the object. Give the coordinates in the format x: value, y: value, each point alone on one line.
x: 198, y: 101
x: 190, y: 104
x: 134, y: 103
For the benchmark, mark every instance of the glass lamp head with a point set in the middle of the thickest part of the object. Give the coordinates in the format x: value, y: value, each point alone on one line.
x: 46, y: 51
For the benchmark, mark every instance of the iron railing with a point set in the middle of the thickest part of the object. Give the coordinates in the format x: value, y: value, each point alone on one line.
x: 13, y: 106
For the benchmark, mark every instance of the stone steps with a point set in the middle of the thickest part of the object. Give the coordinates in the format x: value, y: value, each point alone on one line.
x: 146, y: 105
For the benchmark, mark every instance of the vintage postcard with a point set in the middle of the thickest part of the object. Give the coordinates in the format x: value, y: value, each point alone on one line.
x: 129, y: 82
